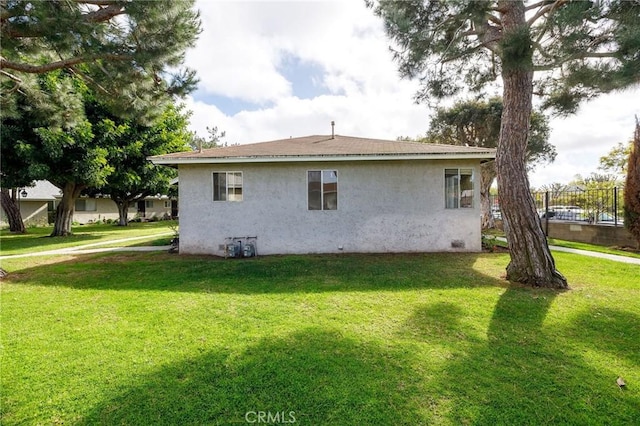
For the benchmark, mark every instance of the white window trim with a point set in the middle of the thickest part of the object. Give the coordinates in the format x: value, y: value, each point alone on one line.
x: 321, y: 190
x: 213, y: 186
x: 459, y: 196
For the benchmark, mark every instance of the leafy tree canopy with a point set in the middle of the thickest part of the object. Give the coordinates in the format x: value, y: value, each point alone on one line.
x: 616, y: 159
x: 477, y: 123
x: 632, y: 188
x: 133, y: 176
x: 577, y: 49
x: 128, y: 51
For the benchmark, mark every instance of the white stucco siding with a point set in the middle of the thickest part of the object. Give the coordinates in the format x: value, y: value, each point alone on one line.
x: 383, y: 206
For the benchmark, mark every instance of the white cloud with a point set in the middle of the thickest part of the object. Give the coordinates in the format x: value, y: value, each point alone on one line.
x: 583, y: 138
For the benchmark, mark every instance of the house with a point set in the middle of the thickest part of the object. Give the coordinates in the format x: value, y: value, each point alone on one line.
x: 330, y: 194
x: 38, y: 204
x: 102, y: 208
x: 34, y: 203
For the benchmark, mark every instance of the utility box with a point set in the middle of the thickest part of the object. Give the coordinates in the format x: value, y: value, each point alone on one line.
x: 249, y: 250
x: 238, y: 247
x: 233, y: 249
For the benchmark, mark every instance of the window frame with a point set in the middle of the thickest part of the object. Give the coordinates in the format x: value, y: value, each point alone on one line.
x: 227, y: 194
x: 459, y: 186
x: 92, y: 201
x: 322, y: 189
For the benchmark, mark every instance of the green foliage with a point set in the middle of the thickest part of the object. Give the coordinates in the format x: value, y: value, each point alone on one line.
x: 477, y: 123
x: 213, y: 139
x: 578, y: 49
x: 632, y: 188
x: 616, y: 159
x: 134, y: 177
x: 128, y: 52
x: 353, y: 339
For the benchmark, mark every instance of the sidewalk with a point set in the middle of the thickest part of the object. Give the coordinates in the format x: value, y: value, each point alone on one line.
x: 614, y: 257
x: 94, y: 247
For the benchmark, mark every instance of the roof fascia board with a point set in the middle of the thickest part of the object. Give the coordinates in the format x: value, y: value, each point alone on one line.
x: 325, y: 158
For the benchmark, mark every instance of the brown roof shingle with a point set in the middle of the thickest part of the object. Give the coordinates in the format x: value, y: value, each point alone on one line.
x: 323, y: 146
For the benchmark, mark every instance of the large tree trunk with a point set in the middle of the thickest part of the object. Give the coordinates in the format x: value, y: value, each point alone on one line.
x: 487, y: 175
x: 64, y: 212
x: 531, y: 260
x: 123, y: 211
x: 12, y: 211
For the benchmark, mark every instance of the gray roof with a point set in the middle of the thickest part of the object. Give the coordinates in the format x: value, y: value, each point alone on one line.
x: 42, y: 190
x: 324, y: 147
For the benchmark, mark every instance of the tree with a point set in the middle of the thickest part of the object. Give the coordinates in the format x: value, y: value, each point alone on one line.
x: 477, y: 123
x: 213, y: 139
x: 632, y: 188
x: 564, y: 51
x: 616, y: 159
x: 52, y: 103
x: 123, y: 53
x: 134, y: 177
x: 128, y: 52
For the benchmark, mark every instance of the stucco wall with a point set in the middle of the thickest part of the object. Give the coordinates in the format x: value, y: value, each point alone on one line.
x: 105, y: 209
x: 605, y: 235
x: 33, y: 213
x: 383, y: 206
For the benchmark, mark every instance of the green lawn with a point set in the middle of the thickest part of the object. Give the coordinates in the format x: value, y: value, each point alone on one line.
x: 153, y: 338
x: 568, y: 244
x: 37, y: 238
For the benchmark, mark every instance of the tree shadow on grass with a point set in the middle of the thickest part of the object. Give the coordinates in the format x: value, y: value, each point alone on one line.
x: 524, y: 373
x: 269, y: 274
x: 313, y: 376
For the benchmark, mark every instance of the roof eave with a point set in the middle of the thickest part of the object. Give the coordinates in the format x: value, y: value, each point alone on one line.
x: 323, y: 158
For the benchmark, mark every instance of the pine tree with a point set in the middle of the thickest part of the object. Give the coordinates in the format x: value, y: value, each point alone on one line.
x: 632, y: 188
x: 564, y: 51
x: 125, y: 53
x: 128, y: 52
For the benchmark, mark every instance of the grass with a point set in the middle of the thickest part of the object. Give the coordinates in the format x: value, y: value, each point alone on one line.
x: 153, y: 338
x: 568, y: 244
x: 593, y: 247
x: 37, y: 239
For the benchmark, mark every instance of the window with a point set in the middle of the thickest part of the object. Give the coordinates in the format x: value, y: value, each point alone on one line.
x: 458, y: 188
x: 167, y: 204
x: 85, y: 205
x: 148, y: 204
x: 227, y: 186
x: 322, y: 186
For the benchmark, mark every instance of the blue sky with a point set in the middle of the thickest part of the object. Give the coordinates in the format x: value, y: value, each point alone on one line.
x: 272, y: 70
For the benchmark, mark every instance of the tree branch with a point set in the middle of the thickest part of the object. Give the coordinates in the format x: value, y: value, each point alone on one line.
x: 11, y: 76
x: 66, y: 63
x: 97, y: 2
x: 535, y: 5
x: 546, y: 9
x: 580, y: 55
x: 35, y: 30
x: 104, y: 14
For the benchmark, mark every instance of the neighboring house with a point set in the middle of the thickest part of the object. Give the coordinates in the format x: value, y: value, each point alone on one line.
x: 99, y: 209
x: 38, y: 206
x: 330, y: 194
x: 34, y: 203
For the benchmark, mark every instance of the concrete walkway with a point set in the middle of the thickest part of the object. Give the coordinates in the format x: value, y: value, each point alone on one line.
x: 94, y: 247
x: 614, y: 257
